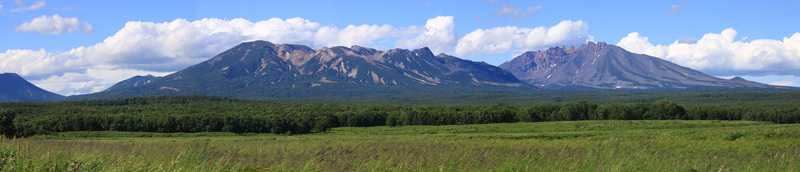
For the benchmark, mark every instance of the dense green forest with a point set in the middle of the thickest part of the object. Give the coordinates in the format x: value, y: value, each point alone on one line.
x: 208, y: 114
x: 745, y: 96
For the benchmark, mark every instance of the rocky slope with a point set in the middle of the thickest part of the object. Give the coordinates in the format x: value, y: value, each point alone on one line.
x: 606, y: 66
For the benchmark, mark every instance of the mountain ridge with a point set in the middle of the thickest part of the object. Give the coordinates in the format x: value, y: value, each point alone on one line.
x: 605, y: 66
x: 132, y: 82
x: 266, y: 70
x: 263, y: 70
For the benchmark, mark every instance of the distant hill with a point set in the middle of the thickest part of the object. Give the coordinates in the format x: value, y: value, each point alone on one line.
x: 606, y: 66
x: 263, y: 70
x: 15, y: 88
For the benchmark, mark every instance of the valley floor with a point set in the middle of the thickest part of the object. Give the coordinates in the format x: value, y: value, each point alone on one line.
x: 667, y: 145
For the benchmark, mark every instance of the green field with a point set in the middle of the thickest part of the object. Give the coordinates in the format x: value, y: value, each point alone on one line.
x: 608, y: 145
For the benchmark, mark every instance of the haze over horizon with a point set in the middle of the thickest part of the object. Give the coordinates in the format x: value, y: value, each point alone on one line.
x: 78, y: 47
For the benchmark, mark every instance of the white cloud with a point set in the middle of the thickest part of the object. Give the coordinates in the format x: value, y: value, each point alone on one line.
x: 675, y: 9
x: 171, y: 46
x: 39, y: 63
x: 90, y: 80
x: 687, y: 40
x: 782, y: 83
x: 722, y: 54
x: 54, y: 25
x: 440, y: 36
x: 37, y: 5
x: 1, y: 7
x: 153, y: 48
x: 69, y: 83
x: 517, y: 13
x: 426, y: 3
x: 501, y: 40
x: 507, y: 10
x: 141, y: 48
x: 358, y: 35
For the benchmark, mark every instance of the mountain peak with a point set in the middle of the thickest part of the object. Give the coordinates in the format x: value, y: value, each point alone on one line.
x: 607, y: 66
x: 260, y: 69
x: 257, y: 42
x: 424, y: 52
x: 11, y: 77
x: 15, y: 88
x: 748, y: 83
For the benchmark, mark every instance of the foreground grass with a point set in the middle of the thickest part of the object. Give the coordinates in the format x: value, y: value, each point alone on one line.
x: 550, y: 146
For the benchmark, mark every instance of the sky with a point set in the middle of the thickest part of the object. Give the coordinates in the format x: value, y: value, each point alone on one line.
x: 85, y: 46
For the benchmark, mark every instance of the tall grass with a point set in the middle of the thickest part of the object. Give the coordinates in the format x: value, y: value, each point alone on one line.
x: 546, y: 146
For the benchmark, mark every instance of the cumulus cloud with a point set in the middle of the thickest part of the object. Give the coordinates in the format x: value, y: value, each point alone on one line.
x: 159, y: 48
x: 358, y: 35
x: 88, y: 81
x: 440, y: 36
x: 34, y: 6
x: 39, y: 63
x: 722, y: 54
x: 54, y: 25
x: 141, y: 48
x: 506, y: 39
x: 675, y: 9
x: 688, y: 40
x: 516, y: 13
x: 170, y: 46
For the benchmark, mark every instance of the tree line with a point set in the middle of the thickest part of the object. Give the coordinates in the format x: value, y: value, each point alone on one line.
x: 211, y: 114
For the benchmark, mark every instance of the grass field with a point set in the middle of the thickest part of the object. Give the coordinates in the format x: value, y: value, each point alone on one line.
x: 543, y: 146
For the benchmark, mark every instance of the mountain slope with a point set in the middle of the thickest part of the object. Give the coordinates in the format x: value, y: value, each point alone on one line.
x: 132, y: 82
x: 15, y: 88
x: 261, y: 69
x: 605, y: 66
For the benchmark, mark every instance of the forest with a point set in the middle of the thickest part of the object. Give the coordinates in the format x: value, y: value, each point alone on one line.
x: 168, y: 114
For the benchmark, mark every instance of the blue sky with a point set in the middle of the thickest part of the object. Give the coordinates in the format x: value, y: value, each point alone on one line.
x: 82, y: 46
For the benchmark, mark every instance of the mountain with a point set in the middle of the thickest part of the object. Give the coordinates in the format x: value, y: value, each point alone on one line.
x: 261, y: 70
x: 15, y: 88
x: 132, y: 82
x: 605, y: 66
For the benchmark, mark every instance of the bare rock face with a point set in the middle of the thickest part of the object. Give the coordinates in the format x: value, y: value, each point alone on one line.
x: 605, y: 66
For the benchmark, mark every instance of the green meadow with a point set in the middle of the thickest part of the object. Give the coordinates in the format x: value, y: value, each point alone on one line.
x: 604, y: 145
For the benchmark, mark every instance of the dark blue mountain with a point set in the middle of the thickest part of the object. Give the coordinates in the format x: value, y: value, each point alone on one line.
x: 15, y: 88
